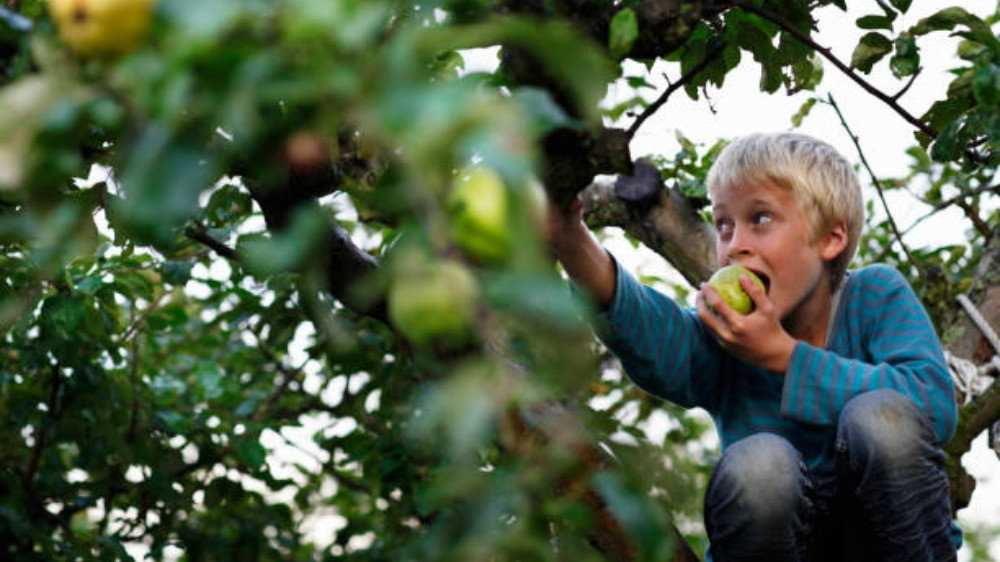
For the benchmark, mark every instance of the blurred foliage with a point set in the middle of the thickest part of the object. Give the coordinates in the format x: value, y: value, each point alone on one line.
x: 176, y: 383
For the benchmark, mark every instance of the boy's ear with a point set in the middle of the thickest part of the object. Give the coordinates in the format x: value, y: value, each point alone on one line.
x: 833, y: 242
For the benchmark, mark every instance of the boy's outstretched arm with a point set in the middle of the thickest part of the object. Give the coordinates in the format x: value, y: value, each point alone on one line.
x: 582, y: 257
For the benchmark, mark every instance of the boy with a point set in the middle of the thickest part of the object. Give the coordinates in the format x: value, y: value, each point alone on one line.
x: 831, y: 397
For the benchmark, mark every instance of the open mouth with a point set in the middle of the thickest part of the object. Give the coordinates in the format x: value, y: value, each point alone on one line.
x: 765, y: 279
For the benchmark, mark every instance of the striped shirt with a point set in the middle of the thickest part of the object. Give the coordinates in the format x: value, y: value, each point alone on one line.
x: 880, y: 337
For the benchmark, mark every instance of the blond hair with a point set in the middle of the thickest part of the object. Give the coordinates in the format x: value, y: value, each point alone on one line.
x: 820, y: 179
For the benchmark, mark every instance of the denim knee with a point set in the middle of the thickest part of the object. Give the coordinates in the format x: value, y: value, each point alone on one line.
x: 884, y: 427
x: 761, y: 475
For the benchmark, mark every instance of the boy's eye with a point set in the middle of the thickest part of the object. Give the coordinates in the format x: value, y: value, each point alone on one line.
x: 762, y: 218
x: 722, y: 225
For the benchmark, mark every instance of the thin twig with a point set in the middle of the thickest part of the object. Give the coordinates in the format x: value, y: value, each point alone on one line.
x: 942, y: 205
x: 977, y: 222
x: 198, y: 233
x: 134, y: 376
x: 875, y: 182
x: 905, y: 88
x: 687, y: 77
x: 43, y: 429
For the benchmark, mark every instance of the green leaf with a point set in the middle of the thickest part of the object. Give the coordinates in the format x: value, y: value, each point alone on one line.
x: 623, y: 32
x: 875, y: 22
x: 986, y: 85
x: 176, y: 273
x: 174, y: 421
x: 287, y: 250
x: 945, y: 20
x: 803, y: 111
x: 162, y: 179
x: 534, y: 298
x: 89, y: 285
x: 251, y: 453
x: 870, y: 49
x: 901, y: 5
x: 906, y: 60
x: 171, y: 316
x: 545, y: 113
x: 947, y: 146
x: 948, y: 18
x: 210, y: 380
x: 26, y: 105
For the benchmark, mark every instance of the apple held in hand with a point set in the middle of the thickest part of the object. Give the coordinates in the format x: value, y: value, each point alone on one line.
x: 101, y: 28
x: 435, y: 304
x: 726, y: 282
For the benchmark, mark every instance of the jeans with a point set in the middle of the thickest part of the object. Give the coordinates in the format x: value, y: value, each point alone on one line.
x: 887, y: 499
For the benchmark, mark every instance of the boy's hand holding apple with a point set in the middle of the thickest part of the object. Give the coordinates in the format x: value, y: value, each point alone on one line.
x: 752, y: 332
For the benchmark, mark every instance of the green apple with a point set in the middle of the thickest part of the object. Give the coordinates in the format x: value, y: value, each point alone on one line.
x: 102, y: 28
x: 726, y: 282
x: 435, y: 303
x: 479, y: 207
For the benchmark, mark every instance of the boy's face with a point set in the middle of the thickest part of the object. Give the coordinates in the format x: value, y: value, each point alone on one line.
x: 761, y: 227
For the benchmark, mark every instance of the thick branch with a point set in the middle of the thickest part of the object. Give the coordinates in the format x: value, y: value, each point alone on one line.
x: 573, y: 158
x: 974, y: 418
x: 964, y: 340
x: 663, y: 25
x: 671, y: 227
x: 344, y: 264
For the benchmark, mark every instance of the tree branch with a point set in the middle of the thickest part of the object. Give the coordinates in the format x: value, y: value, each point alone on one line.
x: 50, y: 414
x: 941, y: 205
x: 671, y: 227
x: 662, y: 99
x: 797, y: 33
x: 198, y: 233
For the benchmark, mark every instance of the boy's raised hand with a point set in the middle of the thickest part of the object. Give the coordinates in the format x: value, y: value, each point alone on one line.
x: 564, y: 224
x: 757, y: 337
x: 583, y: 259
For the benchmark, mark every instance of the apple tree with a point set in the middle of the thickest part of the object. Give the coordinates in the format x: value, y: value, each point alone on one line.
x: 274, y: 282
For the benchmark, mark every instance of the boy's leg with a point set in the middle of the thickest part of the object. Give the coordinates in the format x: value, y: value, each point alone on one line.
x: 893, y: 472
x: 756, y: 506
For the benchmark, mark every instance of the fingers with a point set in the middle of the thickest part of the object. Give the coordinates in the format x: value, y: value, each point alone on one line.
x: 727, y: 324
x: 713, y: 311
x: 717, y: 307
x: 755, y: 292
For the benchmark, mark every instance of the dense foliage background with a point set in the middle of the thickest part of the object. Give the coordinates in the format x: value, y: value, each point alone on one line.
x: 199, y: 235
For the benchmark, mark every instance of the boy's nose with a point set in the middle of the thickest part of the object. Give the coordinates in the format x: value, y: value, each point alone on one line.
x: 739, y: 245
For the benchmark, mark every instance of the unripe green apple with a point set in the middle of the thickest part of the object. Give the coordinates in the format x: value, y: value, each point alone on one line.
x: 100, y: 28
x: 434, y: 304
x: 726, y: 282
x: 479, y: 209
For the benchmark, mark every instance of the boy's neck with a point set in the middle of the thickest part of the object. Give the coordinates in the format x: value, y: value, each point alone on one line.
x: 810, y: 321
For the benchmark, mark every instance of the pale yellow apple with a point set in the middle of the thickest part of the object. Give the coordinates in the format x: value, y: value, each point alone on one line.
x: 436, y: 303
x: 102, y: 28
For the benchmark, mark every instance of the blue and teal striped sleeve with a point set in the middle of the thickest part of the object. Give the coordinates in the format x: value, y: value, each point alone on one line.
x: 896, y: 348
x: 663, y: 348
